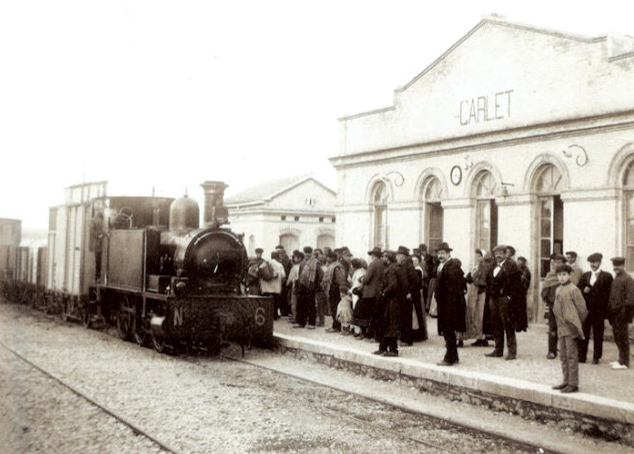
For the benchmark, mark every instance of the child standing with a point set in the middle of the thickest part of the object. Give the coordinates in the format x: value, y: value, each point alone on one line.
x: 344, y: 309
x: 570, y: 311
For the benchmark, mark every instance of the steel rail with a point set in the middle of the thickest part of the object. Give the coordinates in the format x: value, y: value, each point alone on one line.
x: 136, y: 429
x: 463, y: 426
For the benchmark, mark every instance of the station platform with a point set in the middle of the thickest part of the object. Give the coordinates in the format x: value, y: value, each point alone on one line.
x: 604, y: 405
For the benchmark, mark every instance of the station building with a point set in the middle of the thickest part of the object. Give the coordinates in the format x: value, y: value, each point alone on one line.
x: 294, y: 211
x: 515, y: 135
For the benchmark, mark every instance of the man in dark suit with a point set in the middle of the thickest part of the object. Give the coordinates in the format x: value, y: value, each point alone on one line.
x: 412, y: 286
x: 595, y: 286
x: 450, y: 290
x: 503, y: 284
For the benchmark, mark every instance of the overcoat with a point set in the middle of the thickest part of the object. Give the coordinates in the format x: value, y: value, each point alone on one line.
x: 450, y: 289
x: 507, y: 284
x: 599, y: 295
x: 393, y: 288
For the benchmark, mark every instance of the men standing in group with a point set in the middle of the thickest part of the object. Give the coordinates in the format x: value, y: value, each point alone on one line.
x: 503, y: 282
x: 429, y: 265
x: 595, y: 286
x: 333, y: 279
x: 310, y: 276
x: 549, y: 289
x: 520, y: 306
x: 621, y: 311
x: 390, y: 311
x: 273, y: 287
x: 450, y: 289
x: 571, y: 259
x: 287, y: 263
x: 372, y: 283
x: 411, y: 283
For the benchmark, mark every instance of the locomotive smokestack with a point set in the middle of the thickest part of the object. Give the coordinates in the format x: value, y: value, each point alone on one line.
x: 215, y: 212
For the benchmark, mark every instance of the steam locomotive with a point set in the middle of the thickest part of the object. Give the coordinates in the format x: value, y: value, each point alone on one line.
x: 161, y: 280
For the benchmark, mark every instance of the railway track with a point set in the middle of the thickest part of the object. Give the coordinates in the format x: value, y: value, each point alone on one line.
x: 520, y: 445
x: 137, y: 430
x: 331, y: 410
x: 412, y: 430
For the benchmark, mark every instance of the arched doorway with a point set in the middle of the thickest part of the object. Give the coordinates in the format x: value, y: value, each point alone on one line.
x: 486, y: 211
x: 628, y: 213
x: 550, y: 215
x: 433, y: 213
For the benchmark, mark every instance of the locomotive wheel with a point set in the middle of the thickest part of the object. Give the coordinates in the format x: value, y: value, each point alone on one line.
x: 125, y: 318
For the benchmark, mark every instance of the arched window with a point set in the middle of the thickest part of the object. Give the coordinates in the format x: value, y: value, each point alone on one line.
x: 434, y: 213
x: 325, y: 240
x: 486, y: 211
x: 379, y: 208
x: 290, y: 242
x: 628, y: 197
x: 550, y: 216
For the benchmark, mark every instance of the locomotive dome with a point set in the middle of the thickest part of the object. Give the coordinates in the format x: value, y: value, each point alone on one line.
x: 184, y: 214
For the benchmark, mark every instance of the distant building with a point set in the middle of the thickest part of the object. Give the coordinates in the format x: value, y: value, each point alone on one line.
x: 515, y: 135
x: 10, y: 232
x: 294, y: 211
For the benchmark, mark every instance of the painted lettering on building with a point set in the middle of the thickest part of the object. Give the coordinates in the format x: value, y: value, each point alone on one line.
x: 482, y: 109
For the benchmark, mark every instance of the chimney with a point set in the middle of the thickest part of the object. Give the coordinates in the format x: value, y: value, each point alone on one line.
x: 215, y: 213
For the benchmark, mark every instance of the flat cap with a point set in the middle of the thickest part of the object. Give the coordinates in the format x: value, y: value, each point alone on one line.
x: 618, y: 261
x: 596, y: 257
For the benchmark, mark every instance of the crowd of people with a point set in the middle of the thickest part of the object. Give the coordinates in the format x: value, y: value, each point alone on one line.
x: 387, y: 299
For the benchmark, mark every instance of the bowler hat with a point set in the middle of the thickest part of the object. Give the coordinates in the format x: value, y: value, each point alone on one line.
x: 596, y: 257
x: 443, y: 247
x: 403, y: 250
x: 499, y: 247
x: 618, y: 261
x: 259, y: 250
x: 375, y: 251
x: 390, y: 254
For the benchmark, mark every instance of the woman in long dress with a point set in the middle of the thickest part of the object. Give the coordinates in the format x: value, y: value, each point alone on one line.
x: 476, y: 300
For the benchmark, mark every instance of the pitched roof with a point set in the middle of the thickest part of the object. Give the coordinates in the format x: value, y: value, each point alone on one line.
x: 268, y: 189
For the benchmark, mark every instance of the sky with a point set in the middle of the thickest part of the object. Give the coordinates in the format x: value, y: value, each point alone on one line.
x: 157, y: 95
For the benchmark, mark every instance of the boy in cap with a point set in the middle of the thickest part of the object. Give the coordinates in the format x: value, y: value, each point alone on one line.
x: 571, y: 259
x: 570, y: 311
x: 621, y: 310
x: 595, y: 286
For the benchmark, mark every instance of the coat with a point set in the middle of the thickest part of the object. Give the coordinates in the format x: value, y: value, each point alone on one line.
x: 599, y: 295
x: 450, y: 289
x: 373, y: 279
x: 393, y: 293
x: 507, y: 284
x: 570, y: 311
x: 621, y: 302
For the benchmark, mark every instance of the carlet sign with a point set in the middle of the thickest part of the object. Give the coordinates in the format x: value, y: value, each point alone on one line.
x: 491, y: 107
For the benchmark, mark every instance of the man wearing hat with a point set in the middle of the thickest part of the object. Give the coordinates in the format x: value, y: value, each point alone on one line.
x: 429, y: 265
x: 390, y: 306
x: 621, y: 311
x: 450, y: 289
x: 549, y: 288
x: 366, y: 315
x: 595, y: 286
x: 310, y: 276
x: 412, y: 285
x: 503, y: 286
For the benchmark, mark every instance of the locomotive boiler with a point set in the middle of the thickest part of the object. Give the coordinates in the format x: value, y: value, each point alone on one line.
x: 182, y: 284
